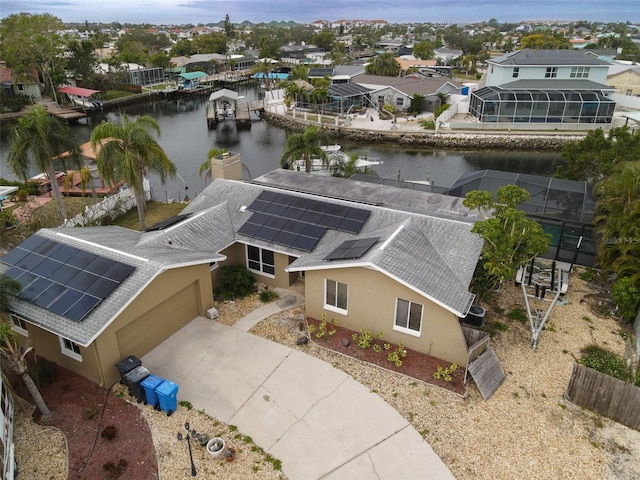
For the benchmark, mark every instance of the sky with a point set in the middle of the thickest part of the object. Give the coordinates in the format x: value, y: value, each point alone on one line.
x: 173, y: 12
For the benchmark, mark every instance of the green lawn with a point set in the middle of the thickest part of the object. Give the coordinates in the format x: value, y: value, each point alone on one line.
x: 156, y: 212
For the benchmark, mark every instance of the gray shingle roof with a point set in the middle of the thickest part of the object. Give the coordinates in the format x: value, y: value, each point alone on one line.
x: 407, y: 85
x: 546, y: 57
x: 118, y: 244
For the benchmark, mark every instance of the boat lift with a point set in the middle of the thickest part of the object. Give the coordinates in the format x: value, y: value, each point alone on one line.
x: 541, y: 286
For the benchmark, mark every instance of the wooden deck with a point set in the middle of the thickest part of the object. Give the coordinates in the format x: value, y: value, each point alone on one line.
x: 63, y: 113
x: 244, y: 109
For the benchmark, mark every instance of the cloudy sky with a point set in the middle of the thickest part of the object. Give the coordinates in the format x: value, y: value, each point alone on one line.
x: 400, y: 11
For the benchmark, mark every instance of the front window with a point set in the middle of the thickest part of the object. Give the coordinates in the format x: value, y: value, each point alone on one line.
x: 408, y: 317
x: 399, y: 102
x: 516, y: 72
x: 579, y: 72
x: 70, y: 349
x: 19, y: 325
x: 551, y: 72
x: 335, y: 297
x: 261, y: 260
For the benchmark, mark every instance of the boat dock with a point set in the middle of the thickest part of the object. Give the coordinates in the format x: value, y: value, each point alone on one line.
x: 244, y: 108
x: 65, y: 114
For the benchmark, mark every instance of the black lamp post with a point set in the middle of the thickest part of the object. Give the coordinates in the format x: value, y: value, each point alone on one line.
x: 190, y: 433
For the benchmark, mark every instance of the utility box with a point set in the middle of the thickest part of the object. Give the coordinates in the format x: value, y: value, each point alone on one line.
x: 167, y: 393
x: 150, y: 384
x: 133, y: 381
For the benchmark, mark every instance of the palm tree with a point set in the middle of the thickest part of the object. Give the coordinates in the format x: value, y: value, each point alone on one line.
x: 129, y: 153
x: 84, y: 175
x: 205, y: 167
x: 385, y: 64
x: 348, y: 168
x: 10, y: 347
x: 264, y: 67
x: 41, y: 138
x: 304, y: 145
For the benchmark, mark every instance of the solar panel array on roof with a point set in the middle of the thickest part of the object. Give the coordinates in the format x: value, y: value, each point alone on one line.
x: 352, y: 249
x: 63, y: 279
x: 299, y: 222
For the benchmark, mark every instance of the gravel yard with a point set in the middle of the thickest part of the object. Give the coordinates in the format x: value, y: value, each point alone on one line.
x: 526, y: 430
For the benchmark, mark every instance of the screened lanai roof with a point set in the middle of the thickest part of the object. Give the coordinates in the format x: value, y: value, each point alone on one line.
x: 347, y: 90
x: 550, y: 197
x: 542, y: 94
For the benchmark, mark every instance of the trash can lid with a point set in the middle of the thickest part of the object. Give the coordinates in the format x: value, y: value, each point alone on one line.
x: 137, y: 374
x: 127, y: 364
x: 152, y: 381
x: 167, y: 387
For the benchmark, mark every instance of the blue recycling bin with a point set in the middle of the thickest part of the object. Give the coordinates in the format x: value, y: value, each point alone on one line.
x: 167, y: 393
x: 150, y: 384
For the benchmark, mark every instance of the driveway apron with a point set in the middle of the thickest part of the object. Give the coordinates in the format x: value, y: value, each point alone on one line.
x: 316, y: 419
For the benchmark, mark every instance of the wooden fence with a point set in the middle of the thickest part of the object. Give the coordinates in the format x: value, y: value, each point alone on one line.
x: 606, y: 395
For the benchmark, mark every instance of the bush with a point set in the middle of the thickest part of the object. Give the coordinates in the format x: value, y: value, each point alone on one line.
x: 605, y: 361
x: 13, y: 104
x: 267, y: 295
x: 7, y: 219
x: 389, y: 108
x: 442, y: 108
x: 115, y: 471
x: 236, y: 281
x: 109, y: 432
x: 428, y: 124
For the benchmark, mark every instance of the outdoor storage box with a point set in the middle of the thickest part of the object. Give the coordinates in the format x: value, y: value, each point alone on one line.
x: 133, y: 381
x: 150, y: 384
x: 167, y: 393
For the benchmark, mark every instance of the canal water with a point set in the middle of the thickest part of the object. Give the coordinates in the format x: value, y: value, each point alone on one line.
x: 187, y: 140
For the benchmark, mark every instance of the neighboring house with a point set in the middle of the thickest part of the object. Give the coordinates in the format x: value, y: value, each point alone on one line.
x: 408, y: 62
x: 12, y: 86
x: 445, y: 55
x: 345, y: 73
x: 625, y: 79
x: 544, y: 86
x: 399, y: 91
x: 385, y: 259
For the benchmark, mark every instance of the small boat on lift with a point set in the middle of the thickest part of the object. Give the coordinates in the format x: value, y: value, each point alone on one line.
x: 83, y: 98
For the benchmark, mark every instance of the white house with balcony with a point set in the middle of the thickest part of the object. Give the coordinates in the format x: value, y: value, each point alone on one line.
x: 544, y: 87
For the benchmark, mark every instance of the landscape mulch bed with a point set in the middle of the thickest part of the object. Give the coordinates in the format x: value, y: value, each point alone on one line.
x: 78, y: 410
x: 415, y: 365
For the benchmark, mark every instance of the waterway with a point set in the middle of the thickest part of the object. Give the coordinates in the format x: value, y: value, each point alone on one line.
x: 187, y: 140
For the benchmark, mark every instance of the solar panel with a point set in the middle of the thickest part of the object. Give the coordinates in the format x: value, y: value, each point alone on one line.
x: 61, y: 278
x: 299, y: 222
x: 352, y: 249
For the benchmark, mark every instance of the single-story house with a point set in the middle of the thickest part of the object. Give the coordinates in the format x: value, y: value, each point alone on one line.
x: 399, y: 91
x: 13, y: 86
x: 385, y: 259
x: 625, y: 79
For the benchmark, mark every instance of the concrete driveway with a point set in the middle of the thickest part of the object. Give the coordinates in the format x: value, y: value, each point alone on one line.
x: 320, y: 422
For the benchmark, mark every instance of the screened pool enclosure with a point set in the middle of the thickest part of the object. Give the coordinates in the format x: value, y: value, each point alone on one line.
x: 564, y: 209
x: 495, y: 104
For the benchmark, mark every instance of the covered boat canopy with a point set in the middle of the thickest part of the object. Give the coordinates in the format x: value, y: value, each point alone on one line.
x: 224, y: 93
x: 192, y: 75
x: 80, y: 92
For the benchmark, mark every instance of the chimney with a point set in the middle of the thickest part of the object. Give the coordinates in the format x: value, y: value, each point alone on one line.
x: 227, y: 165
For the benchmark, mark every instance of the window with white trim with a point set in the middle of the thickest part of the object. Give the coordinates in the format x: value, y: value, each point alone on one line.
x: 579, y: 72
x: 261, y: 260
x: 408, y: 317
x: 70, y: 349
x: 551, y: 72
x: 399, y: 102
x: 19, y: 325
x: 516, y: 72
x: 335, y: 296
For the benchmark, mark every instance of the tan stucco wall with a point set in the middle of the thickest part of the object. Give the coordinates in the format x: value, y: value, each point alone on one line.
x: 371, y: 305
x: 47, y: 345
x: 160, y: 289
x: 625, y: 81
x: 237, y: 255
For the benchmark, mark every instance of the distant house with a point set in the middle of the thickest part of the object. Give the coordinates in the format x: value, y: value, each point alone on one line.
x: 399, y: 91
x: 625, y: 79
x: 544, y: 86
x: 376, y: 257
x: 445, y: 55
x: 12, y: 85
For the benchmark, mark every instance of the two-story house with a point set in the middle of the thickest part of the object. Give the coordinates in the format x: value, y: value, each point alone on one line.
x: 544, y: 86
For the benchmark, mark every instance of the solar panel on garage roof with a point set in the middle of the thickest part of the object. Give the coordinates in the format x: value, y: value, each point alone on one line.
x: 352, y: 249
x: 61, y: 278
x: 288, y: 232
